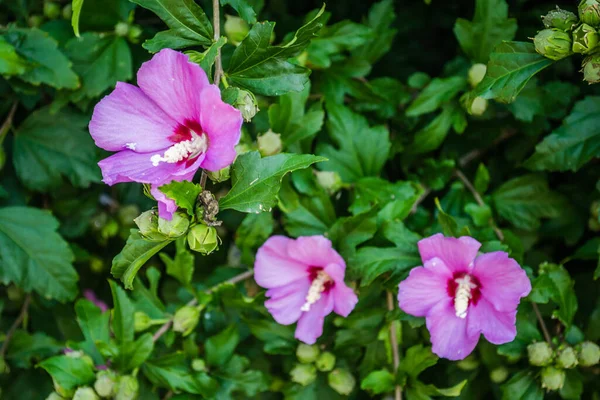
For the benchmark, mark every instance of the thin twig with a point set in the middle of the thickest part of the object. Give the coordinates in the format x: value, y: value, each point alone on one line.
x: 217, y: 30
x: 167, y: 325
x: 394, y: 340
x: 500, y: 236
x: 8, y: 121
x: 15, y: 325
x: 472, y: 155
x: 420, y: 200
x: 203, y: 179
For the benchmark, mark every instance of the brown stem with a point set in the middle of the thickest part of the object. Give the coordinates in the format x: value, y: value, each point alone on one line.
x: 236, y: 279
x: 472, y: 155
x: 203, y: 179
x: 420, y: 200
x: 394, y: 340
x: 217, y: 30
x: 8, y: 121
x: 15, y: 325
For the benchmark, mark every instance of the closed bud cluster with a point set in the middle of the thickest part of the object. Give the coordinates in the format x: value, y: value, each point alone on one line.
x: 198, y: 365
x: 269, y: 143
x: 540, y: 354
x: 591, y: 69
x: 474, y: 106
x: 476, y: 74
x: 307, y: 354
x: 127, y: 388
x: 141, y: 321
x: 147, y: 223
x: 499, y: 374
x: 560, y: 19
x: 567, y: 358
x: 177, y: 226
x: 247, y: 104
x: 325, y: 362
x: 105, y: 384
x: 203, y: 239
x: 85, y: 393
x: 341, y: 380
x: 553, y: 378
x: 304, y: 374
x: 236, y: 29
x: 585, y: 39
x: 331, y: 181
x: 186, y: 319
x: 553, y: 43
x: 121, y: 29
x: 588, y: 354
x: 589, y: 12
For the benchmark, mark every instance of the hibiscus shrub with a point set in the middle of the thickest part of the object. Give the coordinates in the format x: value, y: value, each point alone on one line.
x: 387, y: 199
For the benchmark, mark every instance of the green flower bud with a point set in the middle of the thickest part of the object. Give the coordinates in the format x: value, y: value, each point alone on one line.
x: 418, y: 80
x: 552, y: 43
x: 540, y: 354
x: 269, y: 143
x: 96, y: 265
x: 478, y: 106
x: 325, y: 362
x: 121, y: 29
x: 468, y: 364
x: 589, y: 12
x: 198, y: 365
x: 219, y: 176
x: 499, y: 375
x: 186, y: 319
x: 61, y: 391
x: 177, y: 226
x: 560, y: 19
x: 110, y: 229
x: 147, y: 223
x: 203, y: 239
x: 591, y: 69
x: 236, y: 29
x: 585, y: 39
x: 341, y: 380
x: 141, y: 321
x: 476, y: 74
x: 54, y: 396
x: 588, y: 354
x: 304, y: 374
x: 35, y: 21
x: 67, y: 11
x: 330, y: 181
x: 134, y: 34
x: 105, y: 384
x: 51, y: 10
x: 127, y: 388
x: 85, y: 393
x: 567, y: 358
x: 307, y: 354
x: 247, y: 104
x: 552, y: 378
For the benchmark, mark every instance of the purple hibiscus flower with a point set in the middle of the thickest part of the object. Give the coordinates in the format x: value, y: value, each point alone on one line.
x: 167, y: 128
x: 462, y: 295
x: 305, y: 278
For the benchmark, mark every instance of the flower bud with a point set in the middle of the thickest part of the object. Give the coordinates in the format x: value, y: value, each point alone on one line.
x: 219, y: 176
x: 560, y: 19
x: 325, y: 362
x: 85, y: 393
x: 134, y: 34
x: 589, y: 12
x: 552, y: 43
x: 127, y: 389
x: 67, y: 11
x: 121, y: 29
x: 304, y: 374
x: 470, y: 363
x: 585, y: 39
x: 141, y: 321
x: 96, y: 265
x: 567, y: 358
x: 269, y: 143
x: 51, y: 10
x: 478, y: 106
x: 198, y: 365
x: 591, y: 69
x: 476, y: 74
x: 105, y: 384
x: 418, y: 80
x: 552, y: 378
x: 186, y: 319
x: 203, y: 239
x: 499, y: 374
x: 35, y: 21
x: 588, y: 354
x: 177, y: 226
x: 147, y: 223
x: 307, y: 354
x: 341, y: 380
x: 330, y: 181
x: 236, y: 29
x: 54, y: 396
x: 247, y: 104
x: 540, y: 354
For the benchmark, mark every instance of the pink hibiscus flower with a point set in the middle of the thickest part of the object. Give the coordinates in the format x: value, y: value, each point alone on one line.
x: 305, y: 278
x: 167, y: 128
x: 462, y: 295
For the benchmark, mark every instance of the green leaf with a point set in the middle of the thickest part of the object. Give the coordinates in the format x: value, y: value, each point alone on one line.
x: 433, y: 134
x: 525, y: 200
x: 76, y: 7
x: 184, y: 193
x: 207, y: 59
x: 100, y: 61
x: 448, y: 223
x: 511, y: 66
x: 419, y: 390
x: 305, y: 215
x: 554, y: 283
x: 10, y: 62
x: 362, y: 150
x: 479, y: 214
x: 182, y: 266
x: 34, y: 256
x: 94, y: 325
x: 257, y: 66
x: 278, y: 339
x: 522, y: 386
x: 189, y: 25
x: 254, y: 230
x: 134, y: 354
x: 574, y: 143
x: 573, y: 387
x: 336, y: 39
x: 377, y: 382
x: 220, y: 347
x: 371, y: 262
x: 417, y: 359
x: 395, y: 199
x: 527, y: 332
x: 244, y: 9
x: 49, y: 65
x: 438, y: 92
x: 122, y: 315
x: 256, y: 181
x: 48, y: 146
x: 349, y: 232
x: 69, y: 372
x: 135, y: 254
x: 25, y: 348
x: 380, y: 19
x: 235, y: 378
x: 482, y: 179
x: 490, y: 27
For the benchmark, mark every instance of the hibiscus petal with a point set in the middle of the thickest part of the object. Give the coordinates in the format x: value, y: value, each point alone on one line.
x: 166, y: 206
x: 128, y: 119
x: 424, y: 288
x: 497, y: 327
x: 310, y: 324
x: 174, y: 83
x: 503, y: 281
x: 285, y: 303
x: 457, y: 254
x: 344, y: 298
x: 315, y: 251
x: 273, y: 267
x: 222, y: 123
x: 449, y: 333
x: 129, y: 166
